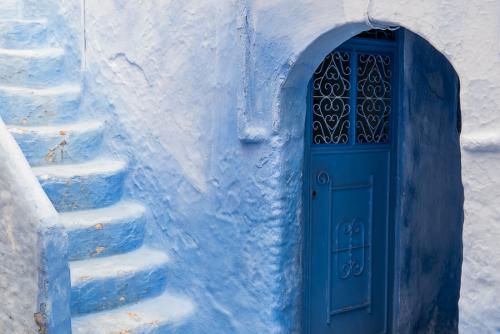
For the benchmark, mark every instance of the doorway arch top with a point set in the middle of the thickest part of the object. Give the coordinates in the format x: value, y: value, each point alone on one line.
x: 286, y: 34
x: 293, y: 103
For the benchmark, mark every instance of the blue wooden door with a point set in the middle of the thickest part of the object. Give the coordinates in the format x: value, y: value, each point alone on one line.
x: 349, y: 147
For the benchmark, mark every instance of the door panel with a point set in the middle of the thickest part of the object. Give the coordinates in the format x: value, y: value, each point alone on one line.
x: 349, y: 234
x: 350, y: 138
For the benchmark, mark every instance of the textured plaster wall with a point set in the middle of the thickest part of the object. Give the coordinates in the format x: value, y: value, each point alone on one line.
x: 32, y: 249
x: 10, y: 8
x: 430, y: 195
x: 207, y: 101
x: 169, y: 74
x: 18, y: 241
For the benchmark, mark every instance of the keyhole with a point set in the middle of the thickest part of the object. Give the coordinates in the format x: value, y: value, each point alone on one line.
x: 314, y: 194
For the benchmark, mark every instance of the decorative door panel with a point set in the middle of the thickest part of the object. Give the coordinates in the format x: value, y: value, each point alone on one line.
x: 350, y: 269
x: 349, y: 147
x: 349, y: 234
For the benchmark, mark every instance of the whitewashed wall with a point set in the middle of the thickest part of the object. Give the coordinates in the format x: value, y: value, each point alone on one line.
x: 25, y: 211
x: 185, y: 81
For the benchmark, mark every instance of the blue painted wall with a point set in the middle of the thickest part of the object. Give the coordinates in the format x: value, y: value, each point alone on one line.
x: 206, y: 100
x: 227, y: 210
x: 214, y: 201
x: 430, y: 220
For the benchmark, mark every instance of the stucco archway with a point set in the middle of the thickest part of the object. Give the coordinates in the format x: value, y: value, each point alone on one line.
x: 425, y: 264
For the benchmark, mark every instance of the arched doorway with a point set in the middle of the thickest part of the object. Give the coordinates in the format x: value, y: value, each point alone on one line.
x: 381, y: 183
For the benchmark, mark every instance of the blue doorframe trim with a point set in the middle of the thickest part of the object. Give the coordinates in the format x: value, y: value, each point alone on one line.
x: 395, y: 186
x: 396, y: 49
x: 306, y: 199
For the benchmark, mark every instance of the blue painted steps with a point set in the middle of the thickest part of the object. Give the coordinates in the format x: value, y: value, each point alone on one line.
x: 166, y: 313
x: 22, y: 34
x: 88, y: 185
x: 32, y: 67
x: 40, y: 106
x: 101, y: 232
x: 118, y: 283
x: 108, y: 282
x: 65, y: 143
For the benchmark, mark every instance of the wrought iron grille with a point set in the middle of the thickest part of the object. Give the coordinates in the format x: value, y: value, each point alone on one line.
x: 331, y: 95
x: 352, y: 96
x: 373, y: 103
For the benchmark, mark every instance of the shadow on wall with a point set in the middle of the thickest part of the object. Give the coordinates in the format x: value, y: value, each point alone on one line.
x: 430, y: 220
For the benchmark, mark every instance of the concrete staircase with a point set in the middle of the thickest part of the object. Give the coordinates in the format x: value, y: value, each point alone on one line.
x: 118, y: 282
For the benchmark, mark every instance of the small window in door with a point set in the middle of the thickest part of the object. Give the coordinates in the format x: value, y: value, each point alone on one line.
x: 373, y: 101
x: 331, y: 99
x: 352, y: 92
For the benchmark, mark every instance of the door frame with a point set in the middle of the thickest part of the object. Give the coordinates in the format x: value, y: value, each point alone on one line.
x: 394, y: 186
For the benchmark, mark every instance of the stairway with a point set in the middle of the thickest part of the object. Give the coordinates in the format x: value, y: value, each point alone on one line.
x: 118, y: 283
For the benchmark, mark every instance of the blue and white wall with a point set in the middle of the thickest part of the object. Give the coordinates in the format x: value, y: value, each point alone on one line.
x: 34, y: 274
x: 195, y: 88
x: 197, y: 97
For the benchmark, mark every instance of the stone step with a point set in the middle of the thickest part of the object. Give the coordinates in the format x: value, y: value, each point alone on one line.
x: 32, y: 106
x: 23, y: 34
x: 32, y: 67
x: 88, y: 185
x: 101, y: 232
x: 109, y: 282
x: 59, y: 144
x: 166, y: 313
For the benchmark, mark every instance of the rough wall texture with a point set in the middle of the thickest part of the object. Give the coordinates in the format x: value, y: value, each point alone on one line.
x: 208, y: 101
x: 430, y: 193
x: 18, y: 244
x: 10, y: 8
x: 34, y: 275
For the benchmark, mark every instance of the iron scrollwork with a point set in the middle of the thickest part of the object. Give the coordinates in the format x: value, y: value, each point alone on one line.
x: 323, y: 178
x: 351, y: 252
x: 373, y: 98
x: 331, y: 93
